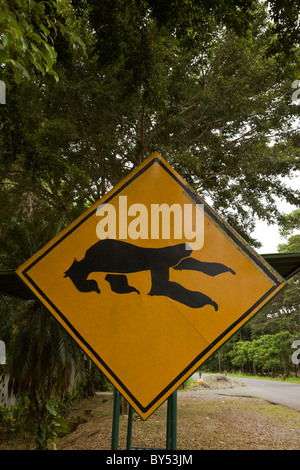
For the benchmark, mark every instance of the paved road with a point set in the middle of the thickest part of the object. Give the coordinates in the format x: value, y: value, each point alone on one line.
x: 279, y: 393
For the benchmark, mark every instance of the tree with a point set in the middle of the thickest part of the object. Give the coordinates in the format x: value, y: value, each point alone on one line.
x: 267, y: 339
x: 272, y: 352
x: 282, y: 313
x: 218, y: 110
x: 268, y: 353
x: 181, y: 79
x: 290, y: 223
x: 240, y: 354
x: 29, y: 30
x: 42, y: 359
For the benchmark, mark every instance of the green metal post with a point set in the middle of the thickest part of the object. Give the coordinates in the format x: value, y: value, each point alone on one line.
x: 172, y: 422
x: 171, y: 435
x: 116, y: 421
x: 129, y: 427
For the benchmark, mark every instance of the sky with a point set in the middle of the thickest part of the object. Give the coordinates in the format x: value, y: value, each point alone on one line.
x: 268, y: 235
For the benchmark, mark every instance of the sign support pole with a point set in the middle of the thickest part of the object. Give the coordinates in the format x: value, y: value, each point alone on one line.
x: 172, y: 422
x: 171, y: 434
x: 129, y: 428
x: 116, y: 420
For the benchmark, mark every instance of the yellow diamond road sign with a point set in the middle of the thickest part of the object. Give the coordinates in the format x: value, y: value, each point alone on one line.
x: 150, y: 281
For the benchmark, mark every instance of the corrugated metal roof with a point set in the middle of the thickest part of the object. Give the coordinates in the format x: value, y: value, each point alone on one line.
x: 12, y: 285
x: 286, y: 264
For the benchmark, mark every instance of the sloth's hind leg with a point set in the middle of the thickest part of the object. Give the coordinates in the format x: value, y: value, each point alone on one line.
x: 119, y: 284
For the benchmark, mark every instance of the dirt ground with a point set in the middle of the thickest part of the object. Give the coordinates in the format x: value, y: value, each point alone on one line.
x: 207, y: 420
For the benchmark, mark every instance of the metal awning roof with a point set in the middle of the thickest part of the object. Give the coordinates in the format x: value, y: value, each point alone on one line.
x: 12, y: 285
x: 286, y: 264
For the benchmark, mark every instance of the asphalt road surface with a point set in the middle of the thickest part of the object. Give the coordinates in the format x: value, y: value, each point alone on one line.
x: 279, y: 393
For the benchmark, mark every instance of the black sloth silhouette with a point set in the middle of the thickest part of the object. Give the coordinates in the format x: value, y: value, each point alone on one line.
x: 118, y: 258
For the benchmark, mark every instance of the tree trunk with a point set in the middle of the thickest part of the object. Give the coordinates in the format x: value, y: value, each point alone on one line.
x: 123, y: 406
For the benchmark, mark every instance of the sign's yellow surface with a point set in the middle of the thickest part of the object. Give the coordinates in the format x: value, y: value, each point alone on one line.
x: 145, y: 311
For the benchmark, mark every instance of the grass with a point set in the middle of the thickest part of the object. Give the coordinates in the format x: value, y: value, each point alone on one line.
x: 205, y: 422
x: 239, y: 375
x: 189, y: 384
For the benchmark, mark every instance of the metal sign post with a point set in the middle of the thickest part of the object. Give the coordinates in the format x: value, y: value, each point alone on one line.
x: 116, y: 420
x: 172, y: 422
x: 171, y: 434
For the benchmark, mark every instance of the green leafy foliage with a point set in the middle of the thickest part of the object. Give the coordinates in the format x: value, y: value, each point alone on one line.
x: 219, y: 112
x: 26, y: 32
x: 264, y: 345
x: 39, y: 421
x: 29, y: 29
x: 268, y: 353
x: 207, y: 84
x: 7, y: 421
